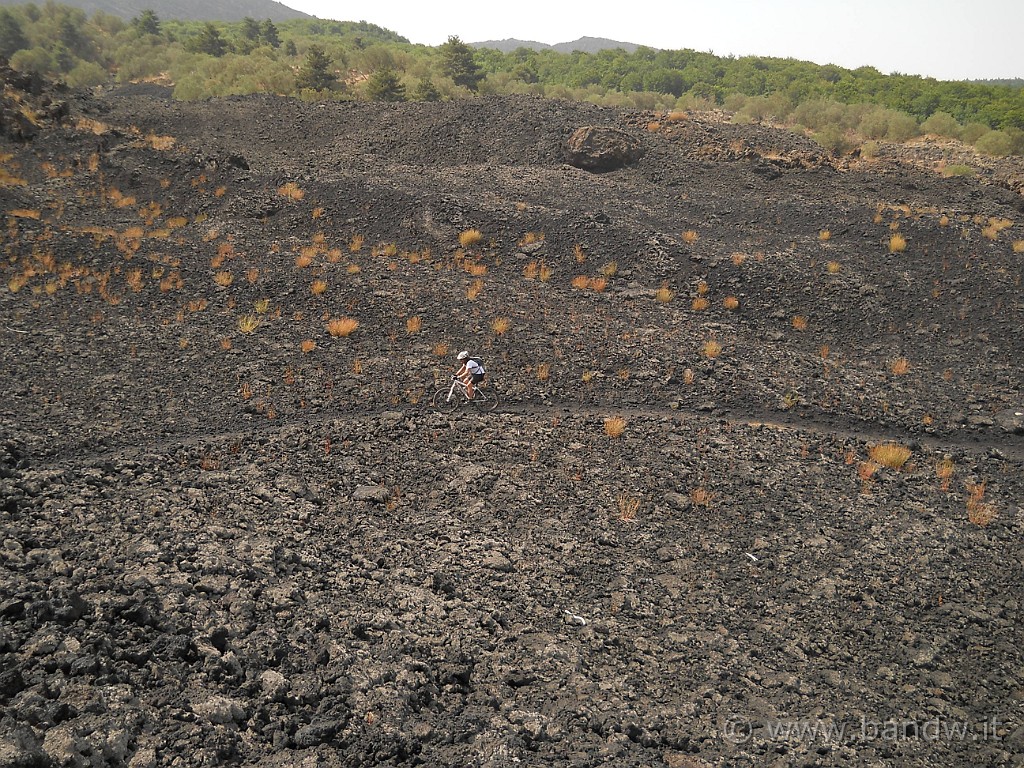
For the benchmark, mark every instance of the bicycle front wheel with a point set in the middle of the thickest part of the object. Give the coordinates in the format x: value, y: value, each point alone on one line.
x: 442, y: 402
x: 486, y: 399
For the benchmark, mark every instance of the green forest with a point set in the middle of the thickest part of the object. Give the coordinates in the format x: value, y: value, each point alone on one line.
x: 313, y: 59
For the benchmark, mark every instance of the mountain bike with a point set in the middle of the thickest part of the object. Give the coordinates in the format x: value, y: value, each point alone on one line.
x: 451, y: 398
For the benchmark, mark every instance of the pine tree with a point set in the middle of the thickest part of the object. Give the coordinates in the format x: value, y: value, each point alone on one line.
x: 457, y: 62
x: 268, y: 34
x: 12, y: 38
x: 316, y: 73
x: 250, y: 29
x: 385, y: 85
x: 209, y: 41
x: 147, y: 23
x: 426, y: 91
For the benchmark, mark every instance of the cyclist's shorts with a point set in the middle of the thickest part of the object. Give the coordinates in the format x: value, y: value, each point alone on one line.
x: 477, y: 377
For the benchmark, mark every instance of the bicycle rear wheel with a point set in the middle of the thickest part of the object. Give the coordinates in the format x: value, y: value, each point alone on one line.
x: 441, y: 402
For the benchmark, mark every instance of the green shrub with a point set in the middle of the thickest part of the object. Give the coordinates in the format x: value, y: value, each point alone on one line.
x: 902, y: 127
x: 942, y: 124
x: 957, y: 170
x: 995, y: 143
x: 835, y: 140
x: 973, y: 131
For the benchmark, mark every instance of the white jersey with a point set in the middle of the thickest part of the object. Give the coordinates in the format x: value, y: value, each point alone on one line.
x: 473, y: 367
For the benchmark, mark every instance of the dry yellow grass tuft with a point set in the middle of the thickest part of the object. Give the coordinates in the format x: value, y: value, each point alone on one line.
x: 356, y: 243
x: 610, y: 269
x: 738, y: 258
x: 731, y: 303
x: 501, y: 325
x: 342, y: 326
x: 825, y: 235
x: 248, y: 323
x: 799, y: 322
x: 979, y: 511
x: 134, y: 280
x: 711, y: 349
x: 414, y: 324
x: 891, y: 455
x: 664, y: 295
x: 307, y: 346
x: 833, y: 267
x: 579, y: 254
x: 318, y: 287
x: 531, y: 237
x: 291, y: 191
x: 581, y: 282
x: 543, y: 371
x: 701, y: 497
x: 897, y: 243
x: 545, y: 273
x: 944, y: 471
x: 1018, y: 246
x: 531, y: 270
x: 599, y: 284
x: 699, y: 304
x: 690, y: 237
x: 440, y: 349
x: 160, y: 143
x: 614, y: 426
x: 223, y: 279
x: 474, y: 290
x: 628, y: 507
x: 900, y: 366
x: 470, y: 237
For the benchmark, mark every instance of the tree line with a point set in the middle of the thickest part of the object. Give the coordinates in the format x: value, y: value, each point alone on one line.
x: 315, y: 59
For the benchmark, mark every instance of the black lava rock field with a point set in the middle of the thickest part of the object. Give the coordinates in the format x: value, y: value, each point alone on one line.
x: 752, y: 497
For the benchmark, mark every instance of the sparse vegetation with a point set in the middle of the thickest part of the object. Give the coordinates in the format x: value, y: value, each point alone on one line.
x: 342, y: 326
x: 900, y: 366
x: 248, y: 323
x: 711, y: 349
x: 614, y: 426
x: 891, y: 455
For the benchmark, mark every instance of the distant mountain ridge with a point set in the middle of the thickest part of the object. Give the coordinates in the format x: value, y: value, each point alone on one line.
x: 186, y: 10
x: 584, y: 44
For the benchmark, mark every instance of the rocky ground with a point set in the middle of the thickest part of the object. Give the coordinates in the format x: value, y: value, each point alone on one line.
x: 233, y: 538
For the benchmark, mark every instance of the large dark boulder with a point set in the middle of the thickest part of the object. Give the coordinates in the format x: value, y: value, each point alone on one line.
x: 1011, y: 420
x: 600, y: 148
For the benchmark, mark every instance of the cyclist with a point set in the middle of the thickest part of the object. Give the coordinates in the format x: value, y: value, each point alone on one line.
x: 471, y: 372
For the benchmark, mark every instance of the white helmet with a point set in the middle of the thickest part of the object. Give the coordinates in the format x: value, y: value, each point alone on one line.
x: 463, y: 355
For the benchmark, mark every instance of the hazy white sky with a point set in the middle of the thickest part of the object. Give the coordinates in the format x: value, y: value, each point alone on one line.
x: 946, y: 39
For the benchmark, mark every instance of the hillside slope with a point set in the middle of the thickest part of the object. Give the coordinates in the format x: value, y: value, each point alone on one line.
x: 188, y: 10
x: 233, y: 538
